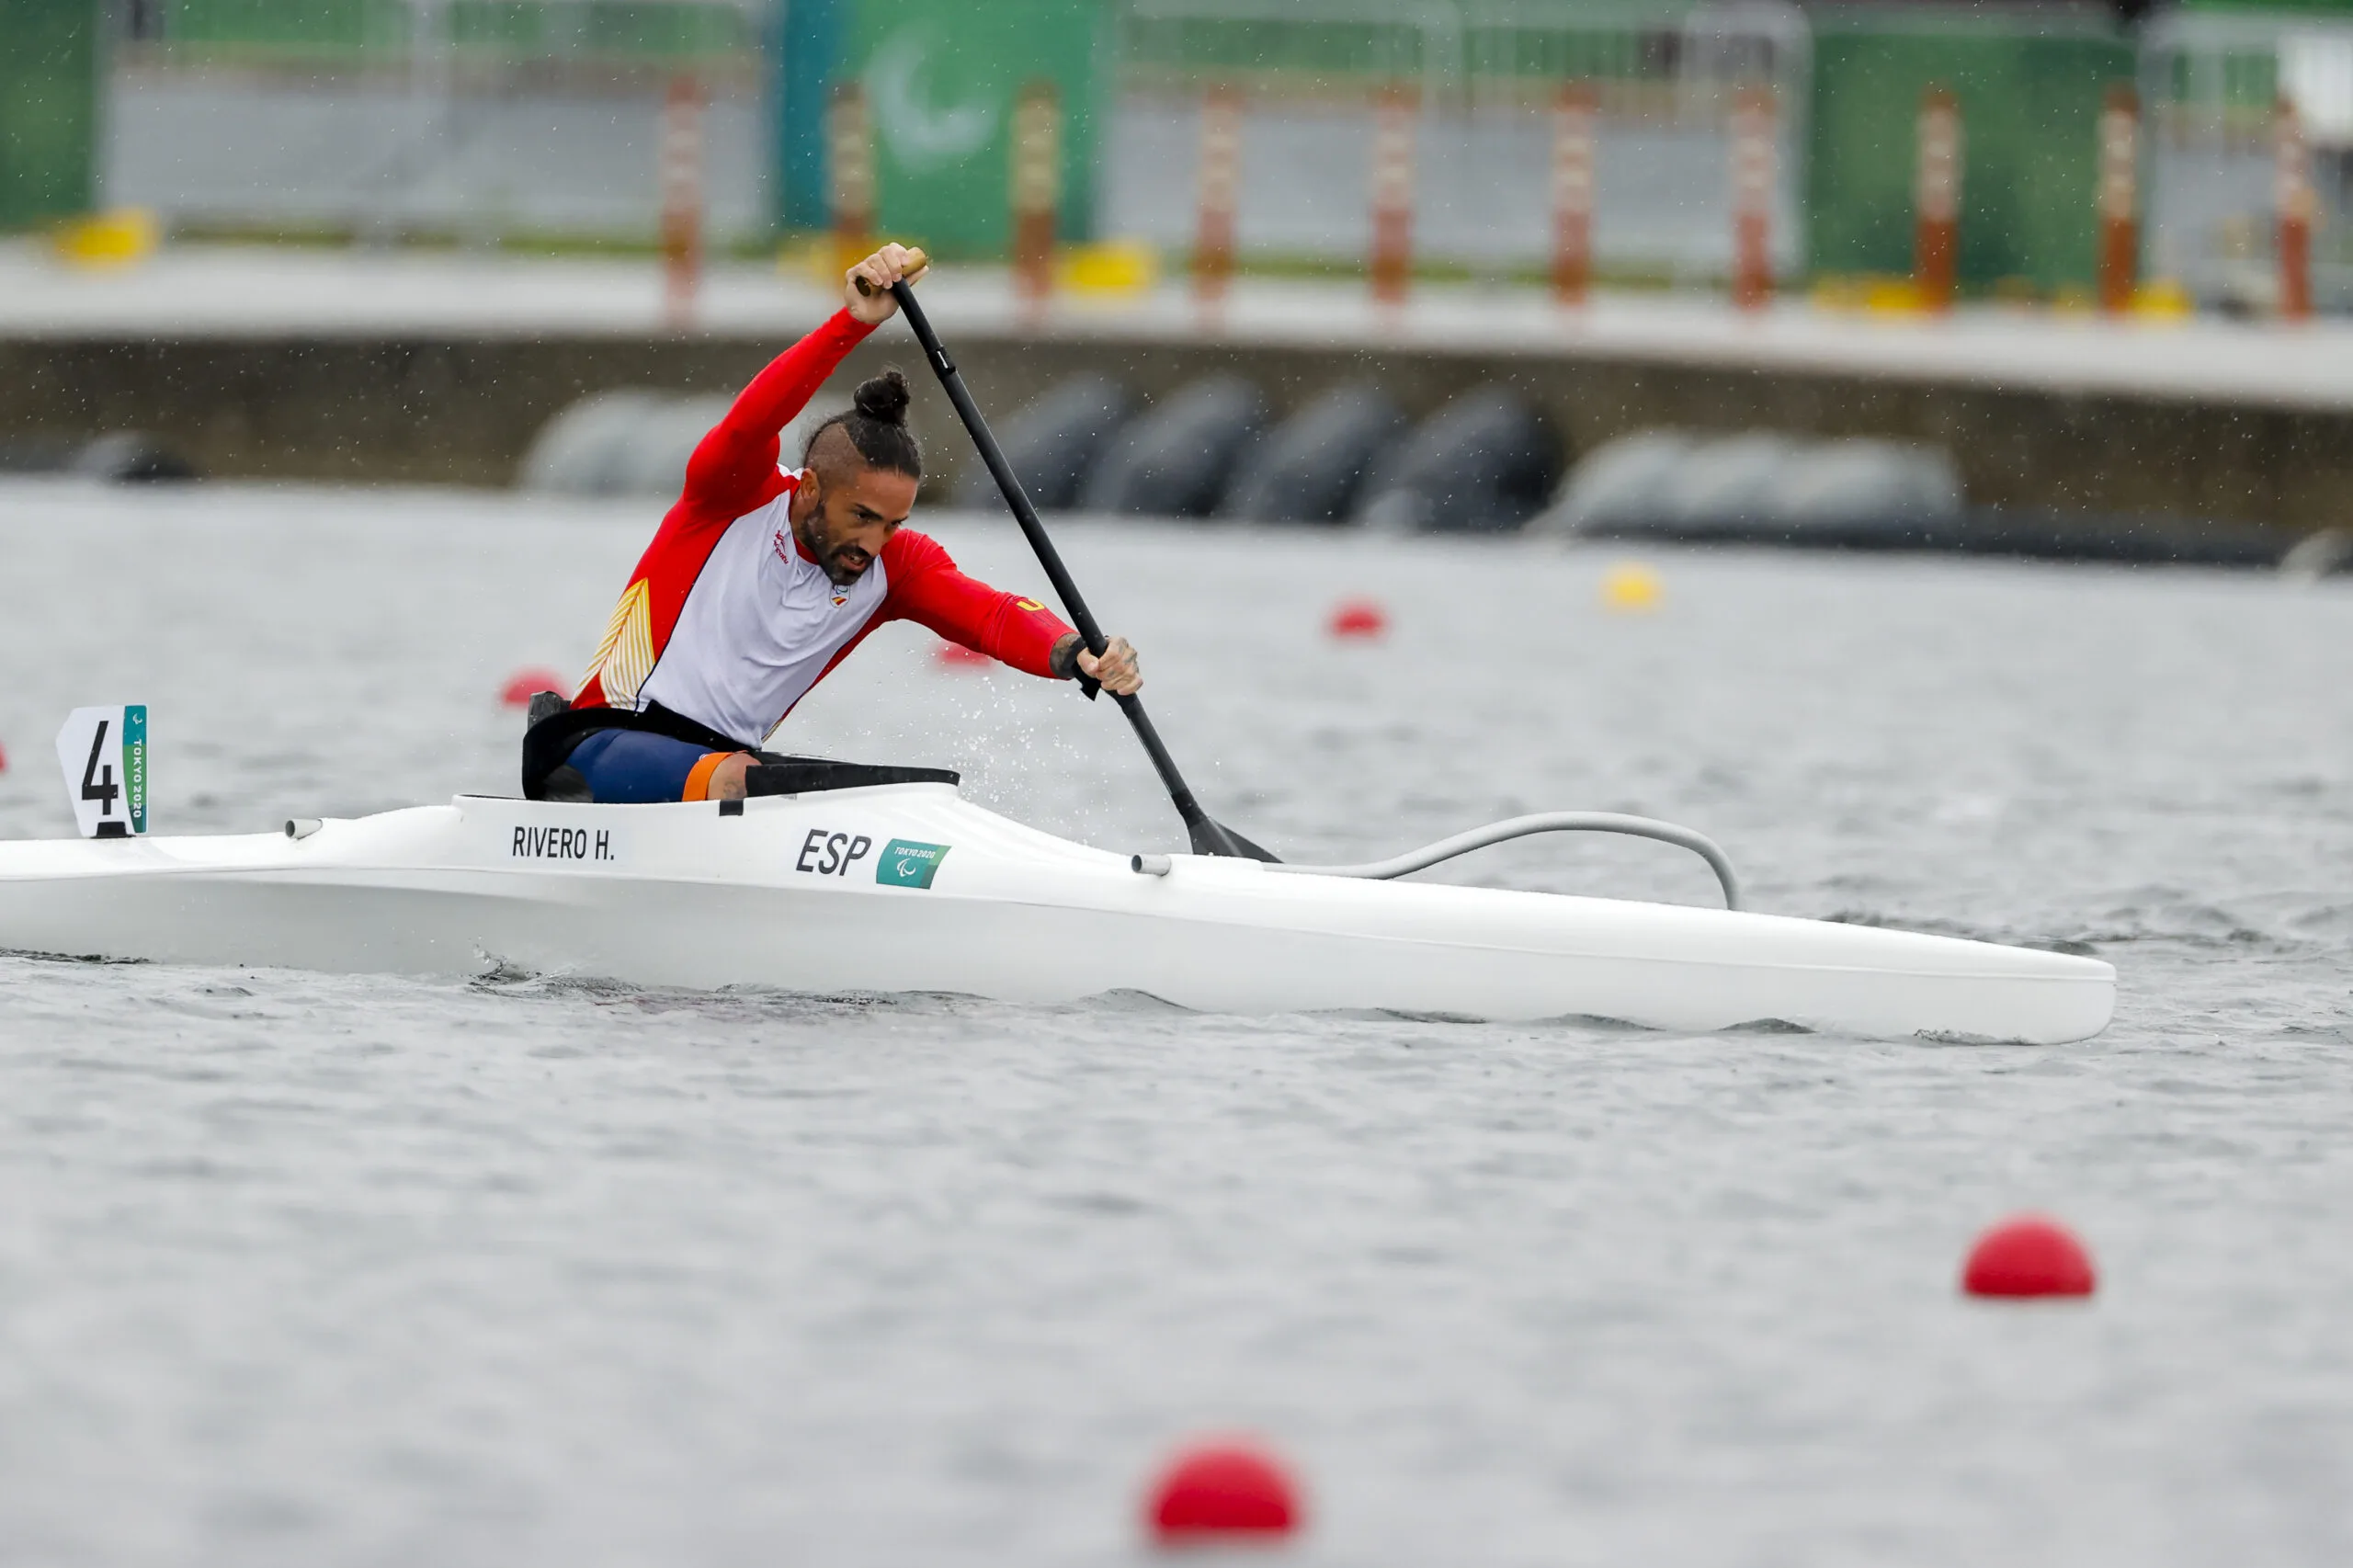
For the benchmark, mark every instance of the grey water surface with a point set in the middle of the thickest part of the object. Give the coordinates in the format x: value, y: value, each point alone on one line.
x: 543, y: 1269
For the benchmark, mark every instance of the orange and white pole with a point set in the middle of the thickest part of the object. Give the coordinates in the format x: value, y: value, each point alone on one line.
x: 849, y: 157
x: 1935, y: 200
x: 1220, y: 185
x: 1037, y: 190
x: 1394, y: 111
x: 2292, y: 193
x: 681, y: 178
x: 2119, y: 200
x: 1573, y: 164
x: 1752, y: 198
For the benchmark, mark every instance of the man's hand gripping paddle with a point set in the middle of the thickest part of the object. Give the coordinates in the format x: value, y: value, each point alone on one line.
x: 1209, y: 836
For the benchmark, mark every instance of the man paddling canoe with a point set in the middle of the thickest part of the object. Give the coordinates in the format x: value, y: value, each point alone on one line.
x: 762, y: 578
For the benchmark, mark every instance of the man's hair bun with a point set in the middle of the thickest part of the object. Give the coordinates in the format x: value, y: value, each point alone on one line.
x: 884, y: 398
x: 874, y: 426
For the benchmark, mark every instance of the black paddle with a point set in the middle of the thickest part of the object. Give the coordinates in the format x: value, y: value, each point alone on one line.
x: 1209, y: 836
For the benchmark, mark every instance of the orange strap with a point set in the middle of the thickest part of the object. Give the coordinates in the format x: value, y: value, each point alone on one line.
x: 698, y: 780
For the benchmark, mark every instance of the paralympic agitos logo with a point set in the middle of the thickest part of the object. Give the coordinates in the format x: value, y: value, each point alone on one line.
x: 903, y: 863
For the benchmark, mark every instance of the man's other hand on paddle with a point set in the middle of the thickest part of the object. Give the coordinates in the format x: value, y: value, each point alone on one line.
x: 884, y: 267
x: 1117, y: 669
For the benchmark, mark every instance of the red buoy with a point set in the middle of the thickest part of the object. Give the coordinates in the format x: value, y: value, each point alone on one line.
x: 524, y: 685
x: 1222, y: 1489
x: 956, y: 656
x: 2028, y: 1256
x: 1357, y: 618
x: 3, y: 759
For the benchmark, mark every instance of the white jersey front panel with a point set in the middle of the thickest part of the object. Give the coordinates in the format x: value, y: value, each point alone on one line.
x: 758, y: 628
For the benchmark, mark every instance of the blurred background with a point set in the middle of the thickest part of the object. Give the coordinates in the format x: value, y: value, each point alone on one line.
x: 361, y: 342
x: 2059, y: 279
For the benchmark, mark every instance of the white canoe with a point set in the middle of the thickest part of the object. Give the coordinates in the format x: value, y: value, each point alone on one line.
x: 911, y: 888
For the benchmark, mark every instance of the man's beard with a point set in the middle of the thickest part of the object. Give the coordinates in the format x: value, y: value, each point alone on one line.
x: 830, y: 559
x: 846, y: 565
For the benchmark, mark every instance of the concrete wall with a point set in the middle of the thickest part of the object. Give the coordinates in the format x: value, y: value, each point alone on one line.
x: 462, y: 411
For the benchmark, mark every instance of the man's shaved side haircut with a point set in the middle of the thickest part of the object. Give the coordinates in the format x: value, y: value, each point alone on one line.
x: 870, y: 434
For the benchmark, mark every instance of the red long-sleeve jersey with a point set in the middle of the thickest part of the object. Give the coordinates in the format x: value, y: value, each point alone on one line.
x: 727, y: 622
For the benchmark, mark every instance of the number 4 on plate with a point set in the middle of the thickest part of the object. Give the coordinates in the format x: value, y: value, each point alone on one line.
x: 104, y: 754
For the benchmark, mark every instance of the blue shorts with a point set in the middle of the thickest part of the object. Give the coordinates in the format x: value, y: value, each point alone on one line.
x: 636, y: 767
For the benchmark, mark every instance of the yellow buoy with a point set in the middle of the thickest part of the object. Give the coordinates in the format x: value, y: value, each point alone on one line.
x: 110, y: 239
x: 1631, y: 586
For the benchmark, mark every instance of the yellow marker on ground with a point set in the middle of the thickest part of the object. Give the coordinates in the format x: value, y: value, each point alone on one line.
x: 2164, y: 300
x: 110, y: 239
x: 1895, y: 297
x: 1631, y: 587
x: 1116, y: 267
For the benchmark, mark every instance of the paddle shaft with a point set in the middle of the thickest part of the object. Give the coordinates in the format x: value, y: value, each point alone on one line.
x: 1207, y: 835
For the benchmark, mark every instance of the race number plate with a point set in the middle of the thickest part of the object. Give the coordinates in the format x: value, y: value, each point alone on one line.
x: 104, y: 754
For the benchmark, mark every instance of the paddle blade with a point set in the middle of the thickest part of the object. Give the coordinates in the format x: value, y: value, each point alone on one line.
x: 1215, y: 838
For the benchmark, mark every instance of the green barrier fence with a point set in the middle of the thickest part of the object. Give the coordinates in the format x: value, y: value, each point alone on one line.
x: 383, y: 32
x: 1455, y: 49
x: 49, y: 99
x: 333, y: 26
x: 2030, y: 91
